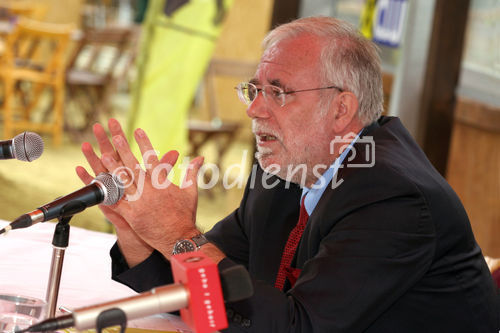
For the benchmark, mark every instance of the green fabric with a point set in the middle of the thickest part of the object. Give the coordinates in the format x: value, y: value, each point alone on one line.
x: 174, y: 54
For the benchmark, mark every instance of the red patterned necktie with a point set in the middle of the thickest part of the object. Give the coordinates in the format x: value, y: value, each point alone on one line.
x: 285, y: 271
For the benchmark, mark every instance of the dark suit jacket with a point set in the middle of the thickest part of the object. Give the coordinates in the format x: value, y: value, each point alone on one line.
x: 388, y: 250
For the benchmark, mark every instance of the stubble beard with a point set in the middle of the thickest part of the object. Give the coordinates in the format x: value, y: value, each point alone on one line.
x: 297, y: 172
x: 304, y: 158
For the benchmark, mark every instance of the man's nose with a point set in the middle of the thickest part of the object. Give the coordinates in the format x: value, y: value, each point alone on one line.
x: 259, y: 108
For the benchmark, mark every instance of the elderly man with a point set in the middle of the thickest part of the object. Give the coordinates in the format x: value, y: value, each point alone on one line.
x: 345, y: 227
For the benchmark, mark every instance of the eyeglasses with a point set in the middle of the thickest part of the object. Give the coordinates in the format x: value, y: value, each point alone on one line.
x: 247, y: 92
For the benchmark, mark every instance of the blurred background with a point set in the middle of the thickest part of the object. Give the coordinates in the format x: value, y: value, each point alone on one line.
x: 170, y: 67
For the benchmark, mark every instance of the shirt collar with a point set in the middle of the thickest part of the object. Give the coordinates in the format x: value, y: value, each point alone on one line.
x: 316, y: 191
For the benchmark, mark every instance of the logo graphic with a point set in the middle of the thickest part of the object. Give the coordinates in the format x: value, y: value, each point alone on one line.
x: 361, y: 153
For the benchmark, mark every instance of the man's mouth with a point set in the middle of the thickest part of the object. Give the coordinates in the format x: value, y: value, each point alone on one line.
x: 266, y: 137
x: 264, y: 134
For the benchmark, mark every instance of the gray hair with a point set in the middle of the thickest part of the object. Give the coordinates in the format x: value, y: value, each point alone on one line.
x: 347, y: 60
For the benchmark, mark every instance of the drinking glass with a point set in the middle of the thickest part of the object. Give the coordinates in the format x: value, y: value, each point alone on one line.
x: 19, y: 312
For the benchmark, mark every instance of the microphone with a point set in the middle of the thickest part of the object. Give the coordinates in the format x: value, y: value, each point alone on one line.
x: 197, y: 293
x: 105, y: 188
x: 27, y: 146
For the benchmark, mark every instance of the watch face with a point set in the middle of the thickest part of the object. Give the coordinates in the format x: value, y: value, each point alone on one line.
x: 183, y: 246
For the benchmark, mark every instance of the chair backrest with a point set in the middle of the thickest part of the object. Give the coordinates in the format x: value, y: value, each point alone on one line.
x: 101, y: 50
x: 33, y: 61
x: 35, y: 10
x: 10, y: 9
x: 38, y: 47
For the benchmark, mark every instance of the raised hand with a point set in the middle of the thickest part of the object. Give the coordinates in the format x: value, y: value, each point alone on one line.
x: 132, y: 246
x: 159, y: 212
x: 154, y: 212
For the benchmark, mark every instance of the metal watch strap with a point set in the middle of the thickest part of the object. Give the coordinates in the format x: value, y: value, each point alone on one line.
x: 187, y: 245
x: 199, y: 240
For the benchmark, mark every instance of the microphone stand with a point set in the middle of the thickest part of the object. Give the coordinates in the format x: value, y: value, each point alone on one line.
x: 60, y: 243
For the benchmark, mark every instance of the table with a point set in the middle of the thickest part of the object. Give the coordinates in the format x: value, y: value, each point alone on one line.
x: 25, y: 258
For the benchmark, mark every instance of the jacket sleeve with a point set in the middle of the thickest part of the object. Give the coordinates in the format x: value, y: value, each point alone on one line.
x: 152, y: 272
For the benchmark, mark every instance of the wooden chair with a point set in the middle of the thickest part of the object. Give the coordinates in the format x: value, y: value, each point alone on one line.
x: 93, y: 73
x: 11, y: 9
x: 222, y: 132
x: 32, y: 64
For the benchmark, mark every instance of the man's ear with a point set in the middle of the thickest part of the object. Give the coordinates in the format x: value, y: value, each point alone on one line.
x: 346, y: 109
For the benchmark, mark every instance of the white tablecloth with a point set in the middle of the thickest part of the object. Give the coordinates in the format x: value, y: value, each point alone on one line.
x: 25, y: 258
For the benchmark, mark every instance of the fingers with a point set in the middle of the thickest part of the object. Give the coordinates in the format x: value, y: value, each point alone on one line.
x: 100, y: 134
x: 93, y: 160
x: 170, y: 157
x: 105, y: 145
x: 111, y: 160
x: 116, y: 131
x: 125, y: 153
x: 191, y: 178
x: 165, y: 165
x: 115, y: 128
x: 125, y: 174
x: 149, y: 156
x: 118, y: 158
x: 84, y: 175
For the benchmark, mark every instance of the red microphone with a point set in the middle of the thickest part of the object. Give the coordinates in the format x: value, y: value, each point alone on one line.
x: 197, y: 292
x: 205, y: 311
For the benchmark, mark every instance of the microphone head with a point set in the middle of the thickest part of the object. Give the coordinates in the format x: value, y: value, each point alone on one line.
x: 236, y: 283
x: 112, y: 187
x: 27, y: 146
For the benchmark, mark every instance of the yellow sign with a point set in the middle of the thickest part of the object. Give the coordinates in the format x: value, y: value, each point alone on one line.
x: 367, y: 17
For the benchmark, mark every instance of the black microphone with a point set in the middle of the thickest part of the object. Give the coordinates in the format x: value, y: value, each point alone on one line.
x: 105, y: 188
x: 27, y: 146
x: 235, y: 284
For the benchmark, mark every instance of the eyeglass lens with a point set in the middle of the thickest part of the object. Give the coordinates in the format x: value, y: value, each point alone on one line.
x: 247, y: 92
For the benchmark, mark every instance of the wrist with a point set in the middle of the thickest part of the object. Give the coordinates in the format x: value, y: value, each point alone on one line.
x: 168, y: 245
x: 133, y: 248
x: 189, y: 244
x: 213, y: 252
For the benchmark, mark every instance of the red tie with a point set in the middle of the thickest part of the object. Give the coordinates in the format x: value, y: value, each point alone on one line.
x: 289, y: 252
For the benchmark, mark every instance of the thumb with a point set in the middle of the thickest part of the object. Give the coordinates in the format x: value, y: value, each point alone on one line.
x: 191, y: 178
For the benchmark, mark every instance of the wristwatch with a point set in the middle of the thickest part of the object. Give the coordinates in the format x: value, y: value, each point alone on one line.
x: 189, y: 245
